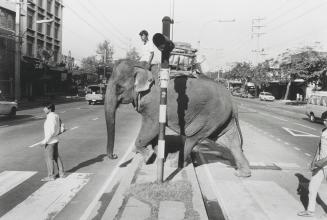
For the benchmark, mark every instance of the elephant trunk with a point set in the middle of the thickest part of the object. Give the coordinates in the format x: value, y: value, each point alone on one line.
x: 111, y: 105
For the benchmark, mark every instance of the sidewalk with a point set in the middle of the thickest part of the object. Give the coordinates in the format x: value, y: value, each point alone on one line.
x: 38, y: 102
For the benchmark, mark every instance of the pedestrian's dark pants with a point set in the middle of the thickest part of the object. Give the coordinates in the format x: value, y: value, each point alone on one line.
x: 51, y: 156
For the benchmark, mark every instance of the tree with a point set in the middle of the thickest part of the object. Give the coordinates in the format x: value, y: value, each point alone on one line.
x: 132, y: 54
x: 89, y: 65
x: 240, y: 71
x: 106, y: 50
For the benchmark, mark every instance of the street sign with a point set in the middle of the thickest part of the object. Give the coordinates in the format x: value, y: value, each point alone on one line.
x: 298, y: 133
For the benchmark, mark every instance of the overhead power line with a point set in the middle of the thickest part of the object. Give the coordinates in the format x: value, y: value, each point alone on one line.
x: 91, y: 26
x: 109, y: 21
x: 297, y: 17
x: 118, y: 38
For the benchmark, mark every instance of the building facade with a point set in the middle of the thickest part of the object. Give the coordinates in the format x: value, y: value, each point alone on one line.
x: 41, y: 45
x: 7, y: 48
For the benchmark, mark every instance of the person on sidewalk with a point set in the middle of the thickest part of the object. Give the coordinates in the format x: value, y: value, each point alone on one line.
x: 52, y: 128
x: 319, y: 171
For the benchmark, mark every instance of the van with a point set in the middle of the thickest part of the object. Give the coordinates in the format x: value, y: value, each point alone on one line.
x: 95, y: 94
x: 316, y: 106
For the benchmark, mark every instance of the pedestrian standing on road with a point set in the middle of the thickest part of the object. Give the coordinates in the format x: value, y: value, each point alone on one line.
x: 319, y: 171
x: 146, y: 50
x: 52, y: 128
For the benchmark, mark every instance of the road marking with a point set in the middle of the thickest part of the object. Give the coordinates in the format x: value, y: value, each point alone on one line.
x: 298, y: 133
x: 36, y: 144
x: 11, y: 179
x: 272, y: 136
x: 278, y: 139
x: 296, y: 148
x: 62, y: 112
x: 40, y: 142
x: 94, y: 119
x: 286, y: 143
x: 281, y: 119
x: 309, y: 155
x: 283, y: 165
x: 305, y: 126
x: 93, y: 204
x: 50, y: 199
x: 38, y: 117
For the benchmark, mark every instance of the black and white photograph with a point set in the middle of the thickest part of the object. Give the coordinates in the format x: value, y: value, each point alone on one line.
x: 163, y: 109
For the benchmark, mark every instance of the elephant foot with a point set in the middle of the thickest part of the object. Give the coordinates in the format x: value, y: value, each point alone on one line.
x: 147, y: 154
x: 243, y: 173
x: 112, y: 156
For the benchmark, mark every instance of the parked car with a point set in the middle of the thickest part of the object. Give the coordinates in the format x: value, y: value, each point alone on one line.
x: 266, y: 96
x: 7, y: 107
x: 316, y: 107
x: 95, y: 94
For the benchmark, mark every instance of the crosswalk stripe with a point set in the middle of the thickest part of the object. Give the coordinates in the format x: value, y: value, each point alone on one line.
x: 11, y: 179
x: 50, y: 199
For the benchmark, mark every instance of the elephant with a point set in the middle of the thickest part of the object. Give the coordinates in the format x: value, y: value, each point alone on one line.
x: 198, y: 109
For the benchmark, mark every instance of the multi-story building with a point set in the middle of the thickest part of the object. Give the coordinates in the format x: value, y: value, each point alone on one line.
x: 45, y: 37
x: 41, y: 44
x: 7, y: 48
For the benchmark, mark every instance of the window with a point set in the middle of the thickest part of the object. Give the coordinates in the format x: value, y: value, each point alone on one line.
x: 40, y: 26
x: 49, y: 5
x: 56, y: 31
x: 55, y: 54
x: 40, y: 45
x: 29, y: 47
x: 57, y: 9
x: 7, y: 19
x: 30, y: 16
x: 49, y: 29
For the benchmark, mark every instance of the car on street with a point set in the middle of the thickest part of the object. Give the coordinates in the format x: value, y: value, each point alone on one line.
x: 237, y: 92
x: 266, y: 96
x: 7, y: 107
x: 316, y: 107
x: 95, y: 94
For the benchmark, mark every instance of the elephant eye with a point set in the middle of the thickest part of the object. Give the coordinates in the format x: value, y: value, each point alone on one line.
x: 119, y: 89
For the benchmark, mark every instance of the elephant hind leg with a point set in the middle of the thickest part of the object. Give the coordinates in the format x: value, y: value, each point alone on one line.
x: 234, y: 143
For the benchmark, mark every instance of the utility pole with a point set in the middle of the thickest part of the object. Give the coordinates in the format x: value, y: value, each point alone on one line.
x: 17, y: 49
x: 256, y: 32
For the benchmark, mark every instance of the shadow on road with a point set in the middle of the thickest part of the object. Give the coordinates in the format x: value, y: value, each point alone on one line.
x: 87, y: 163
x: 303, y: 192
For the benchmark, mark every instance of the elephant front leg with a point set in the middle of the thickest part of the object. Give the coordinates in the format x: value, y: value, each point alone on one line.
x: 149, y: 131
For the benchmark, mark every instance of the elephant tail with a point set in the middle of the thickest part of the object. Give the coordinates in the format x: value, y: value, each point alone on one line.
x: 235, y: 116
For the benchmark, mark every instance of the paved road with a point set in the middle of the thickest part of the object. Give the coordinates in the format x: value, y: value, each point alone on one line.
x: 279, y: 144
x: 82, y: 148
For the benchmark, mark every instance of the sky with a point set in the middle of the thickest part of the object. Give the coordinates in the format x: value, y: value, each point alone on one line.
x: 220, y: 29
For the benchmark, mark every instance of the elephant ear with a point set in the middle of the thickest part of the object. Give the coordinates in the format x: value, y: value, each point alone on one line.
x: 143, y: 79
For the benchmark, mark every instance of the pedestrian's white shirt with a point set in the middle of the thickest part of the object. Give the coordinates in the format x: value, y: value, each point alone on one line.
x: 51, y: 128
x: 146, y: 50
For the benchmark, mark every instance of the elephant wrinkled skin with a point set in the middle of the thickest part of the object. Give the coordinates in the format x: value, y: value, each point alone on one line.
x: 197, y: 109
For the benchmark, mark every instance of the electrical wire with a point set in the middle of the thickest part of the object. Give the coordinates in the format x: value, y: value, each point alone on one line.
x: 119, y: 39
x: 109, y: 21
x: 91, y: 26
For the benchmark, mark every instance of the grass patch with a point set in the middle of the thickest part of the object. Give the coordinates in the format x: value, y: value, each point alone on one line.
x: 154, y: 193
